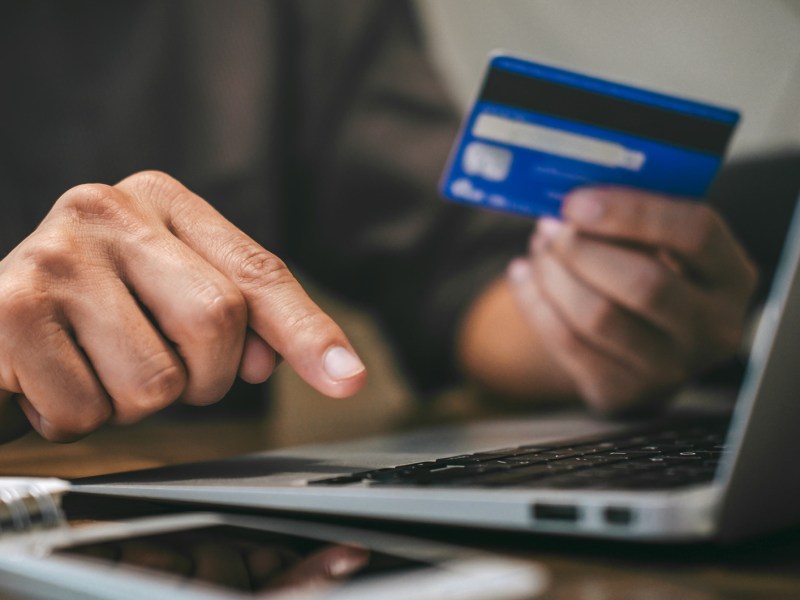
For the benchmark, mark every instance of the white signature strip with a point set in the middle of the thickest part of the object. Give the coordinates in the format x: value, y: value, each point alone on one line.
x: 556, y: 141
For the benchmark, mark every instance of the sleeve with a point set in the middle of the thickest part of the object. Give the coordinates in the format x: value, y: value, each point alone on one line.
x: 373, y: 129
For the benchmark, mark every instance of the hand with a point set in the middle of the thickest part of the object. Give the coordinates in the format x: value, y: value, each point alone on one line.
x: 634, y: 293
x: 129, y: 297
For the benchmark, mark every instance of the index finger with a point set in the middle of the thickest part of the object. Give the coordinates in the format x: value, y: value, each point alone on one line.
x: 279, y: 309
x: 690, y: 230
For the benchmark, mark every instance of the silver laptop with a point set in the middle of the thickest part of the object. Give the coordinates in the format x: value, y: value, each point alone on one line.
x: 695, y: 473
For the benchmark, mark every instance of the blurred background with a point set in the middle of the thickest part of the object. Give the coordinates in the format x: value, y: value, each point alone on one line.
x: 738, y: 53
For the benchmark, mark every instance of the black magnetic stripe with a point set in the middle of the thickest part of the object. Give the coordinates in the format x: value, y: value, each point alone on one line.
x: 568, y: 102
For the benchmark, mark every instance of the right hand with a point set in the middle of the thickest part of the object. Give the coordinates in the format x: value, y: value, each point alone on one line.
x: 129, y: 297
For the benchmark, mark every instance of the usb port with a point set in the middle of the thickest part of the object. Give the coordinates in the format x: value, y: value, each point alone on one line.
x: 618, y: 515
x: 555, y: 512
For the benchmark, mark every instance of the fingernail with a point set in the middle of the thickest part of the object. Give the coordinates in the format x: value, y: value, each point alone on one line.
x: 583, y: 207
x: 548, y: 227
x: 340, y: 363
x: 341, y: 567
x: 518, y: 270
x: 547, y: 230
x: 346, y: 560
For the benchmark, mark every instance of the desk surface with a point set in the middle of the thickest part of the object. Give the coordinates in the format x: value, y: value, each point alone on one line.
x: 766, y: 568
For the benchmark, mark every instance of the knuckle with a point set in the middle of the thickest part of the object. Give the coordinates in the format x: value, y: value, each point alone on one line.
x: 218, y: 310
x: 93, y: 202
x: 214, y: 392
x: 78, y: 424
x: 651, y: 285
x: 153, y: 180
x: 21, y: 304
x: 54, y: 257
x: 320, y: 324
x: 705, y: 226
x: 600, y: 317
x: 156, y: 187
x: 161, y: 383
x: 258, y: 267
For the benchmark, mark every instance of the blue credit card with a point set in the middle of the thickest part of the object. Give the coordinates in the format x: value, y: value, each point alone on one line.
x: 536, y: 132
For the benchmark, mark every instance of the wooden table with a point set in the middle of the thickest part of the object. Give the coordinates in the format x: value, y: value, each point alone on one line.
x: 766, y: 568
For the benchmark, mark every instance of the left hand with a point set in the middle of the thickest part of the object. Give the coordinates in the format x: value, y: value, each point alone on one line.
x: 634, y: 293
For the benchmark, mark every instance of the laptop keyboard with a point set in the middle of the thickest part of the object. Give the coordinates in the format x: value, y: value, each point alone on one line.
x: 679, y: 455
